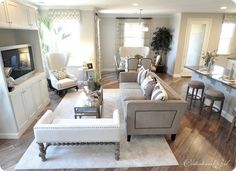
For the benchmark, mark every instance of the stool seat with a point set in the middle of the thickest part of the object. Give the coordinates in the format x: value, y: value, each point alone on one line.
x: 214, y: 94
x: 196, y: 84
x: 194, y: 95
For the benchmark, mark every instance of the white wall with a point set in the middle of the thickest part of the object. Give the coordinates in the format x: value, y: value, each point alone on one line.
x: 175, y: 22
x: 213, y: 39
x: 108, y: 35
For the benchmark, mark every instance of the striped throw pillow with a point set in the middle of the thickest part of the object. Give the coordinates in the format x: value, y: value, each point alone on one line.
x: 147, y: 87
x: 141, y: 75
x: 159, y: 93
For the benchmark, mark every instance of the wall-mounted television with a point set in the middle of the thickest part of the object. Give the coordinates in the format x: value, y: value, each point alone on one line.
x: 19, y: 58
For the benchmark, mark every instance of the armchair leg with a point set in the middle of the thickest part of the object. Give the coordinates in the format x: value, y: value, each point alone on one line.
x: 128, y: 138
x: 173, y: 136
x: 117, y: 152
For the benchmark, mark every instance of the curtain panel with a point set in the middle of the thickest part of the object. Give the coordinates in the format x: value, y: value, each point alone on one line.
x: 64, y: 14
x: 97, y: 60
x: 230, y: 18
x: 119, y: 42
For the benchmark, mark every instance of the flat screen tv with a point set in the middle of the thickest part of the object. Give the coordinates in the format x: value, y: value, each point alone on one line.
x: 19, y: 58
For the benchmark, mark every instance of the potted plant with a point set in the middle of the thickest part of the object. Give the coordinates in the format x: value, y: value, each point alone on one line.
x: 161, y: 41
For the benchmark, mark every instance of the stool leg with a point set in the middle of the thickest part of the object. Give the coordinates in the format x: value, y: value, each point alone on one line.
x: 202, y: 94
x: 221, y: 107
x: 202, y: 104
x: 231, y: 129
x: 195, y: 97
x: 187, y: 93
x: 191, y: 98
x: 211, y: 106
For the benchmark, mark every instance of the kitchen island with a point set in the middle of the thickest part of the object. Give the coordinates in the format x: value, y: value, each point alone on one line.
x: 218, y: 78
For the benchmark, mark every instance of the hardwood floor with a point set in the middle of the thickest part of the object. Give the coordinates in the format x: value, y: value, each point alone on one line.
x: 199, y: 145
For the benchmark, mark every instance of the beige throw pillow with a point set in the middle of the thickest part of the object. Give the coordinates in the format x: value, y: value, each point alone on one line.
x: 60, y: 74
x: 147, y: 87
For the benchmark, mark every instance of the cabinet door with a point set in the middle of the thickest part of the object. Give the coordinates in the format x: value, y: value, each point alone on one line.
x: 3, y: 15
x: 28, y: 101
x: 36, y: 92
x: 44, y: 90
x: 18, y: 107
x: 17, y: 14
x: 32, y: 17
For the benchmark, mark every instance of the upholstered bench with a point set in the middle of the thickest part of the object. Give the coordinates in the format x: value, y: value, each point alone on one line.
x: 49, y: 131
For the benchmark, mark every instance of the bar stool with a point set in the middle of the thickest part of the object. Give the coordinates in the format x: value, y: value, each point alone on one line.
x: 195, y: 85
x: 213, y: 95
x: 233, y: 124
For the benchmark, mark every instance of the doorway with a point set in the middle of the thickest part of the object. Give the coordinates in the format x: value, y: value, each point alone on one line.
x: 196, y: 42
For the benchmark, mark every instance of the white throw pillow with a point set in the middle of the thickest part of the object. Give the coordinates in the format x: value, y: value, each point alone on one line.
x: 159, y: 93
x: 147, y: 87
x: 60, y: 74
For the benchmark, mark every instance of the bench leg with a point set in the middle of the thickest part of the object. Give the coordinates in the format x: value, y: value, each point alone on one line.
x: 117, y: 152
x: 173, y: 136
x: 128, y: 138
x: 42, y: 152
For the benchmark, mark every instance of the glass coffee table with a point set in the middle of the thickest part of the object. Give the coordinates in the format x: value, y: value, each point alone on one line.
x: 89, y: 103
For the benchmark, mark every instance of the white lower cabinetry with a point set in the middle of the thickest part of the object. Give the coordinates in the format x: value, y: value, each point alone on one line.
x: 28, y: 100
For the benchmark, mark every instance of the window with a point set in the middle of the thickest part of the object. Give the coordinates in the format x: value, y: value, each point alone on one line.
x: 64, y: 36
x: 133, y: 35
x: 226, y: 37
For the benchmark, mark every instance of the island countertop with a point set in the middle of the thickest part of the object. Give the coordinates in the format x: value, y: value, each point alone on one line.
x: 217, y: 73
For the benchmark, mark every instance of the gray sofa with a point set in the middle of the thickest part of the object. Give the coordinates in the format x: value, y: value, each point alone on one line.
x: 149, y: 116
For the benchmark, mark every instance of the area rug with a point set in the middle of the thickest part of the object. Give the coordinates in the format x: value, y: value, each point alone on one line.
x: 142, y: 151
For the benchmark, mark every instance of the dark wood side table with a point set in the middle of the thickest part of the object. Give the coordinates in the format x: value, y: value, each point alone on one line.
x: 160, y: 69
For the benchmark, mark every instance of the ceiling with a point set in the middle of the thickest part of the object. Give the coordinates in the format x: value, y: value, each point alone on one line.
x: 150, y: 7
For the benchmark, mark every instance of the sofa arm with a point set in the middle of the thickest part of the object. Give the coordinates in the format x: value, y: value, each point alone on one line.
x: 157, y: 116
x: 128, y: 77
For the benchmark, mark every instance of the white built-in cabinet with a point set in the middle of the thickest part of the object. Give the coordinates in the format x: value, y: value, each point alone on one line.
x: 29, y: 99
x: 16, y: 15
x: 3, y: 15
x: 20, y: 107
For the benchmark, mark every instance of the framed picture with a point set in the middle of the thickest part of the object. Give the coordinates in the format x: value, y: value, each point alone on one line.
x: 90, y: 65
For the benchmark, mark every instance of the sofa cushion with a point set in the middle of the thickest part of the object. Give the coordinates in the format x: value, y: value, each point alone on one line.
x: 67, y: 82
x: 131, y: 94
x: 147, y: 87
x: 159, y: 93
x: 129, y: 85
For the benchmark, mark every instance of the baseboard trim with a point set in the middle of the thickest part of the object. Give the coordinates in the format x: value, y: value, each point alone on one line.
x: 227, y: 116
x: 108, y: 70
x: 176, y: 75
x: 9, y: 136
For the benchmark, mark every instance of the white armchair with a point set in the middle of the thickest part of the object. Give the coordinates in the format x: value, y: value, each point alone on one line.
x: 60, y: 79
x: 51, y: 131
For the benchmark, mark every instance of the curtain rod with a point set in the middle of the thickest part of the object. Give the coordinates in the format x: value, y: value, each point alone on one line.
x: 146, y: 18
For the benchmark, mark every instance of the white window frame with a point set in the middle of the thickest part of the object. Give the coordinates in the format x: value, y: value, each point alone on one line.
x: 229, y: 51
x: 141, y: 39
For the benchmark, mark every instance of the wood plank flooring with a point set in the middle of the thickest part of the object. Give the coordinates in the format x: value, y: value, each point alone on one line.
x: 199, y: 145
